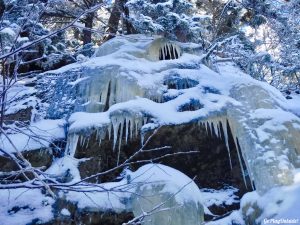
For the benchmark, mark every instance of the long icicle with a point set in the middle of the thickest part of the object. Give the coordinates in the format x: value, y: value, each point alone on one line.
x: 126, y: 129
x: 120, y: 141
x: 246, y: 161
x: 215, y: 126
x: 72, y: 144
x: 240, y: 161
x: 131, y: 128
x: 115, y: 123
x: 206, y: 128
x: 109, y: 131
x: 225, y: 131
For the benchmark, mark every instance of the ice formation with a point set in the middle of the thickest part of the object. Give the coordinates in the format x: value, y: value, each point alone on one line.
x: 125, y: 91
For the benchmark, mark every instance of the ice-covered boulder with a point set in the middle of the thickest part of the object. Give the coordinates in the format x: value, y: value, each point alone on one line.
x: 165, y: 196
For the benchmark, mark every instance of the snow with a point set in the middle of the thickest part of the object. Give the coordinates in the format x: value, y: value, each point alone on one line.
x: 82, y: 120
x: 65, y: 212
x: 234, y: 218
x: 20, y: 97
x: 67, y: 164
x: 21, y: 206
x: 8, y: 31
x: 294, y: 104
x: 219, y: 197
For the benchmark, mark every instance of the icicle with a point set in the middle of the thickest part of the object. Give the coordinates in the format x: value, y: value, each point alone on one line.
x: 240, y: 161
x: 83, y: 141
x: 121, y: 134
x: 87, y: 143
x: 72, y: 144
x: 215, y: 127
x: 130, y: 128
x: 144, y: 120
x: 174, y: 49
x: 206, y: 127
x: 109, y: 131
x: 97, y: 134
x: 178, y: 51
x: 169, y: 51
x: 105, y: 94
x: 219, y: 130
x: 163, y: 53
x: 246, y: 161
x: 142, y: 138
x: 99, y: 142
x: 80, y: 140
x: 202, y: 125
x: 116, y: 125
x: 136, y: 127
x: 211, y: 128
x: 224, y: 126
x: 126, y: 129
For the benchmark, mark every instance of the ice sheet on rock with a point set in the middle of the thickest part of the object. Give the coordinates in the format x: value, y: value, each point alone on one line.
x: 172, y: 178
x: 174, y: 196
x: 123, y: 79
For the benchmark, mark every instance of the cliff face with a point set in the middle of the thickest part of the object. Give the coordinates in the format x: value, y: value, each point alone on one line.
x: 155, y: 97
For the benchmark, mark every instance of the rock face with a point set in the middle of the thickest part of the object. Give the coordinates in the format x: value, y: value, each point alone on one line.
x: 90, y: 216
x: 243, y: 132
x: 40, y: 158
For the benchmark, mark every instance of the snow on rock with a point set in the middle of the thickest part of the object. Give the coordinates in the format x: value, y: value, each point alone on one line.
x: 20, y: 97
x: 34, y: 136
x: 112, y: 197
x: 22, y: 206
x: 65, y: 212
x: 293, y: 104
x: 8, y: 31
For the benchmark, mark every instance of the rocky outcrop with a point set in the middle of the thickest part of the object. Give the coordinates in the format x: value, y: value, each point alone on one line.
x: 236, y: 130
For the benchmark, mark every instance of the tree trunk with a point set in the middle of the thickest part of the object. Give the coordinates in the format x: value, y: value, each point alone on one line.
x: 113, y: 21
x: 129, y: 27
x: 2, y: 8
x: 87, y: 34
